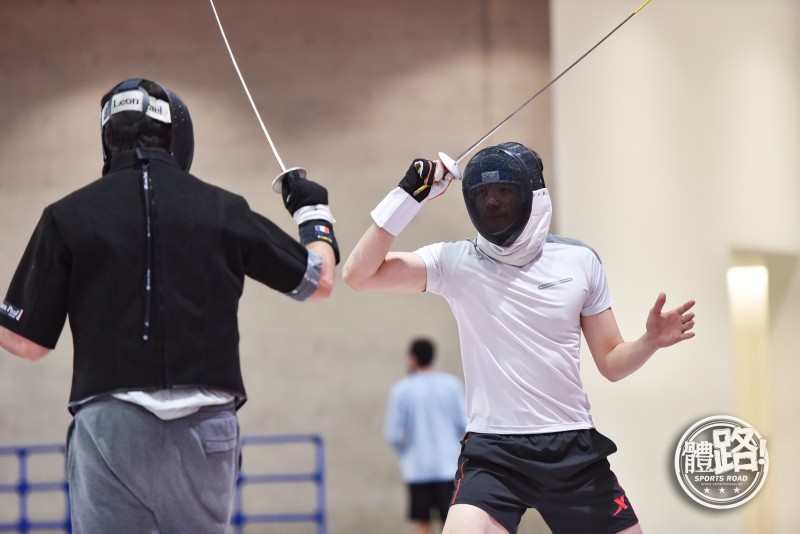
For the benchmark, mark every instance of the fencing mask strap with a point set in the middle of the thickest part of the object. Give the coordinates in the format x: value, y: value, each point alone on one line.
x: 128, y: 103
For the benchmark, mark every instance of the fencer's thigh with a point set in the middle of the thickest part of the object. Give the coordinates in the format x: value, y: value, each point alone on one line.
x: 466, y: 519
x: 201, y: 462
x: 128, y: 469
x: 104, y: 490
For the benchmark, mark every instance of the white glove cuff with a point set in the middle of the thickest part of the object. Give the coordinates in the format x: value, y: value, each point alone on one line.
x: 395, y: 211
x: 309, y: 213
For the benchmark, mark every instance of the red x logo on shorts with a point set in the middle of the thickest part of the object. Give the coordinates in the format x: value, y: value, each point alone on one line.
x: 620, y: 504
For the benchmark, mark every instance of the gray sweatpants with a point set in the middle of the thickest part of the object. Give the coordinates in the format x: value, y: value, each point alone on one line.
x: 131, y: 472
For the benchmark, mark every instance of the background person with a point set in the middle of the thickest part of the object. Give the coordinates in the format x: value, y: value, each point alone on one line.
x: 425, y: 421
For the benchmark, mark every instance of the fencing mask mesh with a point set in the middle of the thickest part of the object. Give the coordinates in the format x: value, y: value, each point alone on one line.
x: 498, y: 187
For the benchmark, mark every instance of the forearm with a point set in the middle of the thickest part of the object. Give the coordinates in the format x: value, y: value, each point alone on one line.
x: 21, y: 346
x: 328, y: 274
x: 307, y: 202
x: 627, y: 357
x: 370, y: 266
x: 368, y: 256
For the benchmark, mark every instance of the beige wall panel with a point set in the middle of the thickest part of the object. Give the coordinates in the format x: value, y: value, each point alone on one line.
x: 675, y: 145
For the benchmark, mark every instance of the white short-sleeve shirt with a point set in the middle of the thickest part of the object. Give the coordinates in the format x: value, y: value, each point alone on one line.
x: 520, y: 332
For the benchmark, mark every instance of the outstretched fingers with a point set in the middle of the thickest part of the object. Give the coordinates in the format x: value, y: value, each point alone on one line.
x: 687, y: 324
x: 686, y: 306
x: 673, y: 326
x: 686, y: 319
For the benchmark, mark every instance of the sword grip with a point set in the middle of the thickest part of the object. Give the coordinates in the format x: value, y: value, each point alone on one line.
x: 293, y: 173
x: 450, y: 165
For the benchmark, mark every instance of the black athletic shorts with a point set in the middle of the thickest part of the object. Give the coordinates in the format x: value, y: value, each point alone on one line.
x: 427, y: 496
x: 564, y: 475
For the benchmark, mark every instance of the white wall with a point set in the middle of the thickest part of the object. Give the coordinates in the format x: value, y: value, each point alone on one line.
x: 675, y: 150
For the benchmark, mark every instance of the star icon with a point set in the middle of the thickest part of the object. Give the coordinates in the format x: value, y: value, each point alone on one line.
x: 722, y: 490
x: 736, y: 490
x: 708, y: 490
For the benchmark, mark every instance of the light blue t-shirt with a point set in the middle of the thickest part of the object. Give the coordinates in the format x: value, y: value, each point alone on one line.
x: 425, y: 421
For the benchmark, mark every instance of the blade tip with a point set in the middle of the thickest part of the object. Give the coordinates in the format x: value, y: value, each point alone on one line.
x: 641, y: 6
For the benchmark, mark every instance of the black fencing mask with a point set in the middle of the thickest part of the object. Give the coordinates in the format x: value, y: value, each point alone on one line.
x: 498, y: 187
x: 129, y: 103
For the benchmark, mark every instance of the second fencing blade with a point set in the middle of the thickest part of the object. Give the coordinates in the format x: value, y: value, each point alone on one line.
x: 297, y: 172
x: 452, y: 164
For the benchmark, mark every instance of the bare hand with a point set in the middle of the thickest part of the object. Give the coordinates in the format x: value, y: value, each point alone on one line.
x: 667, y: 328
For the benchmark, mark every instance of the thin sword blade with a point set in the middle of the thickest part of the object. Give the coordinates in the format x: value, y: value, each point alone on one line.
x: 551, y: 82
x: 246, y: 90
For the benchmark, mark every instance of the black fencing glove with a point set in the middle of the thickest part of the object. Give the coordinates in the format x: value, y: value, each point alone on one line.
x: 425, y: 179
x: 301, y: 192
x: 421, y: 177
x: 307, y: 202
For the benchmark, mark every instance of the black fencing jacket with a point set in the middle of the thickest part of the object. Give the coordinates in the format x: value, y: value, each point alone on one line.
x: 148, y: 263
